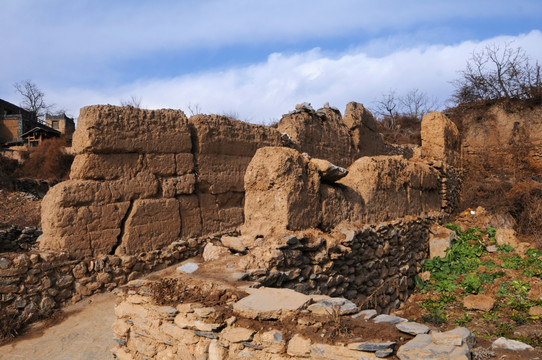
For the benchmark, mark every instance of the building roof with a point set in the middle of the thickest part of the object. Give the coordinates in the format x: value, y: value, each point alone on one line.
x: 41, y: 128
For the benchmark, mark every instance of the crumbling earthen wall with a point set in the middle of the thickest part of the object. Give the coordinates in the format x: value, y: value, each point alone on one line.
x: 286, y: 191
x: 142, y: 179
x: 324, y: 134
x: 506, y: 138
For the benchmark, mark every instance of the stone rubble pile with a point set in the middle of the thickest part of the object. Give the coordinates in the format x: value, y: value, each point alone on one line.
x: 191, y: 330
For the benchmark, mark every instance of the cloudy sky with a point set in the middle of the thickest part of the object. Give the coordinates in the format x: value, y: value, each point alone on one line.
x: 255, y: 59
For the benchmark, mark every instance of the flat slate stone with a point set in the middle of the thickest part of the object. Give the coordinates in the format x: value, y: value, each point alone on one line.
x: 383, y: 353
x: 412, y: 328
x: 188, y: 268
x: 366, y: 314
x: 237, y: 334
x: 388, y: 319
x: 331, y: 352
x: 326, y: 307
x: 371, y: 347
x: 270, y: 303
x: 206, y: 334
x: 504, y: 343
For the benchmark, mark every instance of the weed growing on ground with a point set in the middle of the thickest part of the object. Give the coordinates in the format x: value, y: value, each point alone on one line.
x: 468, y: 268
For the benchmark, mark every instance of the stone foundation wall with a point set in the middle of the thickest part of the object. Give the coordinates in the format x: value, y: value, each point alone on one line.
x: 15, y: 239
x: 33, y: 284
x: 374, y: 266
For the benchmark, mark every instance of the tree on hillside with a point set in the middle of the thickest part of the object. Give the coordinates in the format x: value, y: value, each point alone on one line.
x: 33, y: 99
x: 414, y: 104
x: 386, y: 108
x: 496, y: 72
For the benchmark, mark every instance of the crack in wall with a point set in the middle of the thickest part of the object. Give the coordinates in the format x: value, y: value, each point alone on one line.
x: 122, y: 228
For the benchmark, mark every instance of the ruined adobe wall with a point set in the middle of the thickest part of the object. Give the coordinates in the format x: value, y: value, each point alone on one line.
x: 287, y: 191
x: 142, y: 179
x: 325, y: 134
x: 505, y: 137
x: 441, y: 149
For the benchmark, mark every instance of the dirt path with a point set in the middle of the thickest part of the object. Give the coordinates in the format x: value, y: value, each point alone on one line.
x: 83, y: 333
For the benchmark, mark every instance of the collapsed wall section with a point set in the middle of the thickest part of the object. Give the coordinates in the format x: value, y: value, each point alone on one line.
x: 285, y: 191
x: 324, y: 134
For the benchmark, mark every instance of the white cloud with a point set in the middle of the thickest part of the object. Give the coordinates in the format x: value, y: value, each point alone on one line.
x: 61, y: 37
x: 262, y: 92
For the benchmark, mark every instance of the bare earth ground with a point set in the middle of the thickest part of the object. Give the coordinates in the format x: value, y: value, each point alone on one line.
x: 18, y: 208
x: 82, y: 332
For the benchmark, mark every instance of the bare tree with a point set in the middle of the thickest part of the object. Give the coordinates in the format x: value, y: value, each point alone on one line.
x: 386, y: 108
x: 133, y: 101
x: 33, y: 99
x: 194, y: 109
x: 498, y: 71
x: 416, y: 104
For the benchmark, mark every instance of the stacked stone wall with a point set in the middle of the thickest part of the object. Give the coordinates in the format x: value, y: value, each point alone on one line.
x: 374, y: 265
x: 34, y: 283
x: 15, y: 239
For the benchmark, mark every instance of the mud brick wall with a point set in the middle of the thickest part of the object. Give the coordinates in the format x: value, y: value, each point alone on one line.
x: 143, y: 179
x: 286, y: 191
x: 33, y: 284
x: 324, y: 134
x: 373, y: 266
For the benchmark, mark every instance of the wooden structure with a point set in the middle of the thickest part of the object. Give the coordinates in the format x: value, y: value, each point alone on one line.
x: 35, y: 136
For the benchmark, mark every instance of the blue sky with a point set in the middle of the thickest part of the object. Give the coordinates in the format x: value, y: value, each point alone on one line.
x: 256, y: 59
